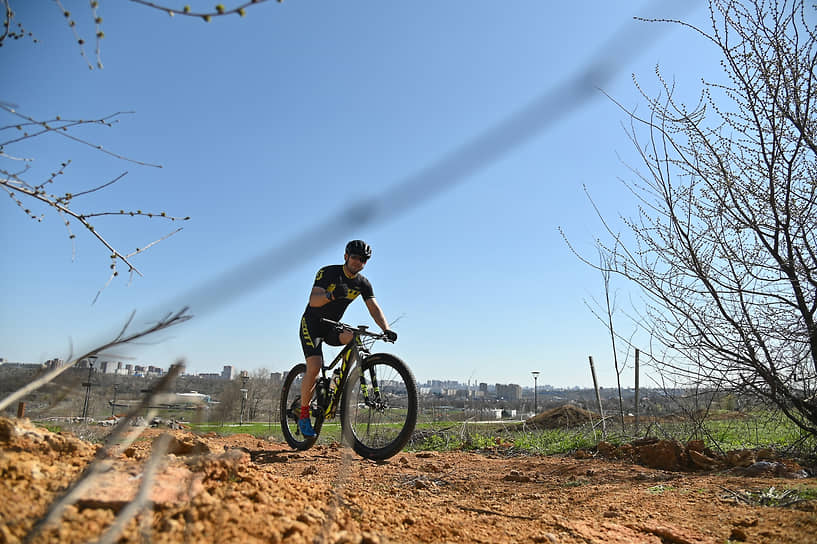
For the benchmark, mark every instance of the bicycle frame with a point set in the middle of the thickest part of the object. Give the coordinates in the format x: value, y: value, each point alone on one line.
x: 354, y: 352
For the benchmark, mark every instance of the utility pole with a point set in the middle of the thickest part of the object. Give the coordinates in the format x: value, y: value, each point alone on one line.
x: 113, y: 404
x: 91, y: 359
x: 535, y: 377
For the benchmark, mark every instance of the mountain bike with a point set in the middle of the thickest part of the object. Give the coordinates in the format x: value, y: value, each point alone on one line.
x: 374, y: 394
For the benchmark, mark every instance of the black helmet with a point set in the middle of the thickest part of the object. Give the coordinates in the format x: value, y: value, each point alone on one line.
x: 359, y: 247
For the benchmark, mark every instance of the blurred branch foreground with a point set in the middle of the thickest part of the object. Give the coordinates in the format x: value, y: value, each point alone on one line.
x: 120, y: 339
x: 123, y: 434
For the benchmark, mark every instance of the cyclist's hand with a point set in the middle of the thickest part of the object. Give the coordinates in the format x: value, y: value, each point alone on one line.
x: 391, y: 336
x: 340, y: 291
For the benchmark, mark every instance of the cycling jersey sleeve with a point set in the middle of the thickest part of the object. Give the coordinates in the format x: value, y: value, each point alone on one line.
x: 366, y: 290
x: 322, y: 278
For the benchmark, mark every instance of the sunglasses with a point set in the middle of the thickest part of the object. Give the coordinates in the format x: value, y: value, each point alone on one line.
x: 360, y: 258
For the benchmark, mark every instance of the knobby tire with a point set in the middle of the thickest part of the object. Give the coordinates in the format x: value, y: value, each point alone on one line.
x: 379, y: 431
x: 290, y: 410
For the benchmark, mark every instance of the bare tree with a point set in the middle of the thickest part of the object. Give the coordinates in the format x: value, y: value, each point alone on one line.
x: 724, y: 245
x: 259, y: 393
x: 29, y: 192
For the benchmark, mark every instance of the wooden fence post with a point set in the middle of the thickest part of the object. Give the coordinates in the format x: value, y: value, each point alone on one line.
x: 598, y: 398
x: 637, y: 404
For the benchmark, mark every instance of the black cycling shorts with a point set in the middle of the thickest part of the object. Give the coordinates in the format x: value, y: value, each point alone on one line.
x: 313, y: 333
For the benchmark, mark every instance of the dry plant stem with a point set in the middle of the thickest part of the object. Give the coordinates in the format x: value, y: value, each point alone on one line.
x: 239, y: 10
x: 141, y: 501
x: 61, y: 131
x: 77, y: 38
x: 6, y: 20
x: 102, y: 461
x: 129, y: 255
x: 168, y: 321
x: 79, y: 217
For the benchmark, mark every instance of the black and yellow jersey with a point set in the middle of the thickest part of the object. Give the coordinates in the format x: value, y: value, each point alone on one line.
x: 330, y: 276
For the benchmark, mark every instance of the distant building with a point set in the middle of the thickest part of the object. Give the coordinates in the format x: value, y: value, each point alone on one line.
x: 277, y: 378
x: 52, y: 363
x: 228, y: 373
x: 111, y: 367
x: 463, y: 394
x: 511, y: 392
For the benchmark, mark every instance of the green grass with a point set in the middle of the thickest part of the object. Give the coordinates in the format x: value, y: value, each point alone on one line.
x: 749, y: 431
x: 51, y: 427
x: 760, y: 430
x: 479, y: 437
x: 329, y: 432
x: 255, y: 429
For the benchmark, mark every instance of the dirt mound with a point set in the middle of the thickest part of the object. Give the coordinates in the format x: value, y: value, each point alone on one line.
x: 694, y: 456
x: 567, y: 415
x: 245, y: 489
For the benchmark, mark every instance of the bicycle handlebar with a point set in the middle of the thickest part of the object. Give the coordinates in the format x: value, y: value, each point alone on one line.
x: 360, y: 329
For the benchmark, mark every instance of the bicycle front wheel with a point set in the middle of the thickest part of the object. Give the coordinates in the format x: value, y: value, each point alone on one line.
x: 379, y: 406
x: 290, y: 410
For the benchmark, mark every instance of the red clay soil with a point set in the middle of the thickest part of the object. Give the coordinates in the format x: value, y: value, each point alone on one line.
x: 244, y: 489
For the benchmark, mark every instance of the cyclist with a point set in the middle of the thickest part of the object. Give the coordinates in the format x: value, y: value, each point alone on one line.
x: 335, y: 287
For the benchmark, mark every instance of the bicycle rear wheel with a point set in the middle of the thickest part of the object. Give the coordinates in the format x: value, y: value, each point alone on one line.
x: 379, y: 406
x: 290, y: 410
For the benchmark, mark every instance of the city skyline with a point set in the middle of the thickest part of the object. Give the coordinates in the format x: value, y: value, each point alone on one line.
x: 231, y: 372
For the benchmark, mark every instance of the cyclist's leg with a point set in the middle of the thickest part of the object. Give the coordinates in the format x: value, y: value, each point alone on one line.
x: 312, y: 337
x: 313, y: 367
x: 313, y: 353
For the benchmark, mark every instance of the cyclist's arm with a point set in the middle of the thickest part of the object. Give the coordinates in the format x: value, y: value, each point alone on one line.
x: 317, y: 297
x: 377, y: 314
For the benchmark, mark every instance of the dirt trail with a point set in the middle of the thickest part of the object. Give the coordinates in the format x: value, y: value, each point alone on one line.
x: 245, y: 489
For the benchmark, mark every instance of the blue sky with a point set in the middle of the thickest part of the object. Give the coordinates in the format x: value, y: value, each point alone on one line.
x: 268, y: 125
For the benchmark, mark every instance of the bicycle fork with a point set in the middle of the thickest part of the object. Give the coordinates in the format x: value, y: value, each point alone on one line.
x: 375, y: 400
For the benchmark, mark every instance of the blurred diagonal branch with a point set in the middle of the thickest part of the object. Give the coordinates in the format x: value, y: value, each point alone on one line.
x: 122, y: 338
x: 142, y: 499
x: 113, y: 446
